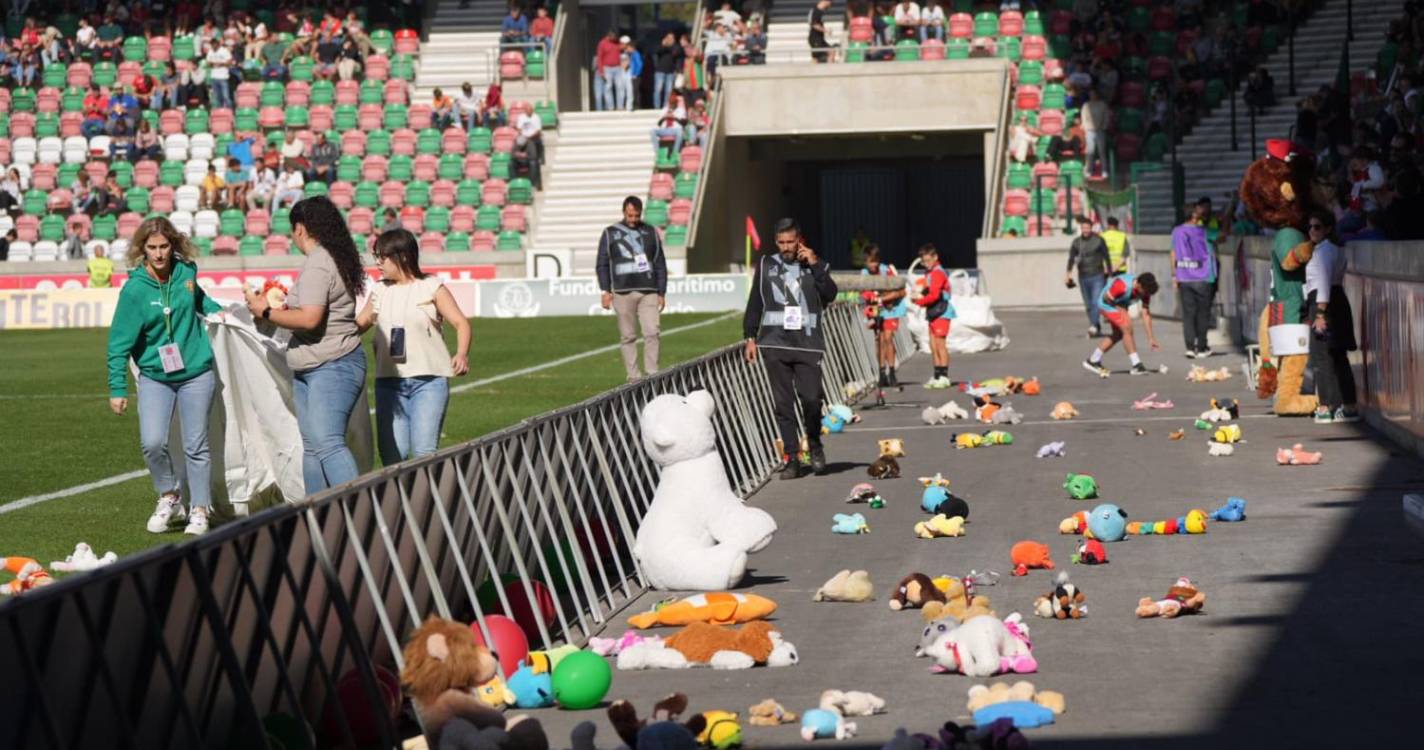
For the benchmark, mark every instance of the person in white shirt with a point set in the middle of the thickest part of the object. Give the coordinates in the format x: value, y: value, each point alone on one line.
x: 1367, y: 179
x: 289, y: 187
x: 264, y: 185
x: 530, y: 127
x: 86, y: 35
x: 933, y: 23
x: 907, y: 21
x: 467, y: 106
x: 291, y: 148
x: 218, y: 59
x: 728, y: 17
x: 1332, y: 323
x: 413, y: 365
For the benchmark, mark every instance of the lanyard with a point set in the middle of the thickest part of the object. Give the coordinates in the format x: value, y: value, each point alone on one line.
x: 163, y: 297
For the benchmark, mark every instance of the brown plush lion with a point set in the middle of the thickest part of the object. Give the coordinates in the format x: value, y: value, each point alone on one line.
x: 443, y: 666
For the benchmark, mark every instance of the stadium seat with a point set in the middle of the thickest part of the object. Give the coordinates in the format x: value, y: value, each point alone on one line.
x: 487, y: 219
x: 98, y: 172
x: 160, y: 199
x: 501, y: 166
x: 50, y: 150
x: 417, y: 194
x: 477, y: 167
x: 1051, y: 122
x: 378, y: 68
x: 656, y: 213
x: 1034, y: 48
x: 548, y: 114
x: 1054, y: 97
x: 986, y: 24
x: 82, y: 226
x: 432, y: 242
x: 401, y: 168
x: 368, y: 194
x: 494, y: 192
x: 1045, y: 175
x: 932, y: 49
x: 480, y: 141
x: 46, y: 251
x: 257, y: 222
x: 685, y: 185
x: 442, y: 193
x: 27, y: 227
x: 426, y: 167
x: 403, y: 142
x: 378, y: 142
x: 412, y: 219
x: 1014, y: 223
x: 315, y: 189
x: 392, y: 194
x: 225, y: 245
x: 276, y: 245
x: 437, y: 219
x: 511, y: 219
x: 1020, y: 177
x: 521, y: 191
x: 676, y: 236
x: 1015, y: 202
x: 353, y: 143
x: 321, y: 118
x: 343, y: 194
x: 186, y: 198
x: 206, y: 223
x: 467, y: 192
x: 281, y: 222
x: 75, y: 150
x: 395, y: 116
x: 429, y: 141
x: 123, y: 173
x: 509, y: 241
x: 661, y: 187
x: 359, y: 220
x: 250, y: 245
x: 462, y: 219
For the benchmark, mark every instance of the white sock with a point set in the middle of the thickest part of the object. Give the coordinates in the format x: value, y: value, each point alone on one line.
x: 1096, y: 357
x: 1134, y: 359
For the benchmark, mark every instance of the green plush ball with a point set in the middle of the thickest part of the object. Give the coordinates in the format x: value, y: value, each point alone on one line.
x: 581, y: 680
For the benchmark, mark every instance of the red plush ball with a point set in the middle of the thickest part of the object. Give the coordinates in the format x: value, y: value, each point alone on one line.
x: 510, y: 645
x: 360, y: 715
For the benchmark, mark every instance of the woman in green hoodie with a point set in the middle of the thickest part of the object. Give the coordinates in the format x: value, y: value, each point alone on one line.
x: 159, y: 323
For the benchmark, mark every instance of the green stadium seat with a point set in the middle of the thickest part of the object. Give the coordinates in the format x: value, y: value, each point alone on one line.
x: 372, y: 92
x: 855, y: 52
x: 250, y: 245
x: 666, y: 160
x: 1070, y: 172
x: 1020, y: 176
x: 450, y: 167
x: 548, y: 114
x: 67, y: 174
x: 368, y: 195
x: 4, y: 124
x: 55, y: 75
x: 204, y: 245
x: 1033, y: 23
x: 1161, y: 44
x: 184, y: 48
x: 1054, y: 96
x: 685, y: 186
x: 137, y: 198
x: 46, y: 124
x: 154, y: 68
x: 479, y: 141
x: 395, y: 116
x: 1134, y: 68
x: 907, y: 50
x: 282, y: 222
x: 656, y: 213
x: 1271, y: 39
x: 1139, y: 20
x: 52, y: 228
x: 196, y: 121
x: 22, y: 100
x: 297, y: 117
x: 314, y: 188
x: 400, y: 168
x: 427, y: 141
x: 501, y: 166
x: 232, y: 223
x: 123, y: 173
x: 35, y: 202
x: 509, y: 240
x: 1009, y: 48
x: 534, y: 63
x: 1016, y: 223
x: 487, y: 219
x: 135, y: 49
x: 1041, y: 201
x: 348, y: 168
x: 456, y: 242
x: 417, y: 194
x: 1031, y: 73
x: 986, y: 24
x: 383, y: 41
x: 301, y: 69
x: 1060, y: 46
x: 1129, y: 120
x: 437, y: 219
x: 1215, y: 92
x: 957, y: 49
x: 403, y: 67
x: 1156, y: 147
x: 345, y: 117
x: 104, y: 74
x: 322, y: 93
x: 676, y: 236
x: 521, y: 191
x: 378, y: 142
x: 72, y: 100
x: 272, y: 95
x: 467, y: 193
x: 104, y: 228
x: 170, y: 173
x: 245, y: 120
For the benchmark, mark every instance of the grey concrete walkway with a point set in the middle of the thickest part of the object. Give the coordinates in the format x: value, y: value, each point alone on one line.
x: 1310, y: 633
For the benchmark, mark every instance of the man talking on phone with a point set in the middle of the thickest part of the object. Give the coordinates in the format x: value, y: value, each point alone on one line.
x: 790, y: 292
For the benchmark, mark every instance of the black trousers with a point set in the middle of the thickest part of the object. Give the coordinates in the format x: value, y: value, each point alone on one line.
x: 1196, y: 312
x: 795, y: 376
x: 1329, y: 354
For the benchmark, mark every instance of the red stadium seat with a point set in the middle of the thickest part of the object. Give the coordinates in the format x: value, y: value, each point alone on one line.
x: 1028, y: 97
x: 462, y: 219
x: 392, y: 194
x: 225, y: 245
x: 146, y: 174
x: 407, y: 42
x: 412, y: 219
x: 348, y: 92
x: 477, y: 166
x: 1050, y: 121
x: 258, y: 223
x: 353, y: 143
x: 395, y: 92
x: 128, y: 224
x: 504, y: 139
x: 432, y: 243
x: 298, y: 93
x: 480, y: 242
x: 70, y: 125
x: 373, y: 168
x: 661, y: 187
x: 442, y: 192
x: 403, y: 142
x: 220, y: 121
x: 277, y: 245
x: 378, y: 68
x: 680, y: 211
x: 170, y: 122
x: 322, y: 118
x: 370, y: 117
x: 1048, y: 171
x: 360, y: 220
x: 425, y: 168
x: 453, y: 141
x: 511, y: 219
x: 1016, y: 202
x: 932, y: 49
x: 1011, y: 23
x: 342, y: 194
x: 160, y: 200
x: 1034, y: 48
x: 961, y: 25
x: 494, y: 192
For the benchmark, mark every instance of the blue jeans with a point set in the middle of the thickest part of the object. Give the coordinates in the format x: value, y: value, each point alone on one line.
x: 326, y: 396
x: 662, y: 88
x: 1091, y: 285
x: 610, y: 92
x: 674, y: 132
x: 221, y: 95
x: 194, y: 400
x: 409, y: 414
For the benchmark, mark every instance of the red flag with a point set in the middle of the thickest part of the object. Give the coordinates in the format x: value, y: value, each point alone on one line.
x: 752, y: 233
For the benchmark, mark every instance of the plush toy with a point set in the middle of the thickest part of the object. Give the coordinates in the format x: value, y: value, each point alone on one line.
x: 818, y: 723
x: 697, y: 533
x: 732, y: 648
x: 1222, y: 413
x: 1006, y: 415
x: 546, y: 661
x: 947, y: 412
x: 981, y: 696
x: 960, y: 603
x: 531, y: 690
x: 276, y: 294
x: 611, y: 646
x: 886, y: 467
x: 949, y: 504
x: 1230, y: 433
x: 1030, y: 387
x: 914, y: 591
x: 853, y: 523
x: 1216, y: 449
x: 998, y: 437
x: 1182, y: 598
x: 29, y: 574
x: 495, y: 693
x: 769, y: 713
x: 940, y: 525
x: 718, y: 608
x: 1063, y: 410
x: 1297, y: 455
x: 650, y: 653
x: 1064, y: 602
x: 831, y: 424
x: 1277, y: 190
x: 1234, y: 510
x: 1023, y: 714
x: 1081, y: 486
x: 444, y: 665
x: 983, y: 646
x: 865, y: 493
x: 968, y: 440
x: 1091, y: 552
x: 83, y: 558
x: 660, y: 725
x: 1194, y: 522
x: 1052, y: 450
x: 1106, y: 522
x: 1199, y: 374
x: 1147, y: 402
x: 1176, y: 434
x: 852, y: 703
x: 846, y: 586
x: 985, y: 409
x: 844, y: 413
x: 722, y: 730
x: 1029, y: 554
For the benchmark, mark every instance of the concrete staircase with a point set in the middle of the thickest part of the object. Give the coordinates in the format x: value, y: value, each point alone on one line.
x: 1211, y: 167
x: 787, y: 30
x: 463, y: 46
x: 594, y: 161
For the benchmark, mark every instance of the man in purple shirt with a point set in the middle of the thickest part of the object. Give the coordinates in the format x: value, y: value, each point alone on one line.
x: 1193, y: 277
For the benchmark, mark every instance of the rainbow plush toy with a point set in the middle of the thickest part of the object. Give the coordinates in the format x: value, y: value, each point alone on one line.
x: 1194, y: 522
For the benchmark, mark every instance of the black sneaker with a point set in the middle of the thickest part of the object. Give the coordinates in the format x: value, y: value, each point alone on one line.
x: 894, y: 379
x: 818, y: 459
x: 1139, y: 369
x: 1096, y: 369
x: 791, y: 470
x: 884, y: 379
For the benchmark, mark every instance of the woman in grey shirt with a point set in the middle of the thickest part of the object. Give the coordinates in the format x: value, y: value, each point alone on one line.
x: 328, y: 365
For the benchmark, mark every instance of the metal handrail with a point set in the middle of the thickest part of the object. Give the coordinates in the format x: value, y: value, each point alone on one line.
x: 302, y: 610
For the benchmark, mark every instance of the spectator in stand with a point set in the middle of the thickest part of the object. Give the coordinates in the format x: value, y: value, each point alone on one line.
x: 608, y: 64
x: 1022, y: 137
x: 143, y: 88
x: 816, y: 20
x: 257, y: 37
x: 111, y: 35
x: 541, y: 29
x: 292, y: 150
x: 670, y: 124
x: 1096, y: 116
x: 86, y: 39
x: 442, y: 109
x: 289, y: 186
x: 328, y: 54
x: 1105, y: 80
x: 390, y: 221
x: 1366, y: 180
x: 11, y: 201
x: 324, y: 155
x: 492, y: 107
x: 121, y: 140
x: 351, y: 60
x: 932, y: 21
x: 9, y: 237
x: 697, y: 123
x: 212, y: 189
x: 1260, y: 90
x: 145, y: 143
x: 752, y: 46
x: 525, y: 158
x: 241, y: 149
x: 716, y: 49
x: 237, y: 182
x: 530, y: 141
x: 727, y: 16
x: 632, y: 69
x: 514, y: 29
x: 467, y: 107
x: 907, y: 21
x: 96, y: 112
x: 82, y: 194
x: 274, y: 59
x: 667, y: 60
x: 218, y: 60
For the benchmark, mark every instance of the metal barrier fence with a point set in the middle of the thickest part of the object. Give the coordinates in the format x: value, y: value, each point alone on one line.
x: 301, y: 610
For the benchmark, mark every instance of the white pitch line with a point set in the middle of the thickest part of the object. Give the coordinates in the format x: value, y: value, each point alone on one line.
x: 26, y: 502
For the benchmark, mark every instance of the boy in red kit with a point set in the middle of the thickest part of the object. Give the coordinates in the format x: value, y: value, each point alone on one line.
x: 938, y: 311
x: 1121, y: 290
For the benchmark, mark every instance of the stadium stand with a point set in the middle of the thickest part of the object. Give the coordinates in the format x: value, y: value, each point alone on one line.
x: 105, y: 119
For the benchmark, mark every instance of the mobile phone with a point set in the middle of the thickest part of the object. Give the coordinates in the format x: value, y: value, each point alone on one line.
x: 397, y: 347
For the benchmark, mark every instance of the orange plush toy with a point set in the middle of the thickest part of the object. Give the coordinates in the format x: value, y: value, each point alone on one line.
x: 1030, y: 554
x: 29, y: 574
x: 718, y: 608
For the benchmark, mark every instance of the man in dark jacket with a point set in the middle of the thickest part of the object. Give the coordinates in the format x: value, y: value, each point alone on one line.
x: 785, y: 322
x: 632, y: 272
x: 1090, y: 254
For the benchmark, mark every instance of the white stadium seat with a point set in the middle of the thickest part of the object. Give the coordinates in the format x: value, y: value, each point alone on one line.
x: 205, y: 224
x: 186, y: 198
x: 23, y: 150
x: 182, y: 221
x: 46, y: 251
x: 100, y: 146
x: 92, y: 245
x: 76, y: 150
x: 21, y: 252
x: 175, y: 147
x: 201, y: 146
x: 51, y: 150
x: 194, y: 172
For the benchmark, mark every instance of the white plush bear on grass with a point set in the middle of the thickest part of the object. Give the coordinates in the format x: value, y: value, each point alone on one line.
x: 697, y: 533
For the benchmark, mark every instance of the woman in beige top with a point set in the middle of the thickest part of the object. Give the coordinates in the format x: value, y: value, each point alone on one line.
x: 413, y: 367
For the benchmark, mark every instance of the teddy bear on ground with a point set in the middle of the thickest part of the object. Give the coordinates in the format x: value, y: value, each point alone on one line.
x: 885, y: 466
x: 661, y: 724
x: 733, y: 648
x: 846, y: 586
x: 1234, y: 510
x: 697, y: 533
x: 769, y: 713
x: 865, y: 493
x: 1021, y: 702
x: 852, y: 703
x: 444, y: 665
x: 717, y: 607
x: 1297, y: 455
x: 959, y: 603
x: 914, y: 591
x: 1064, y: 602
x: 1063, y: 410
x: 819, y: 723
x: 1182, y: 599
x: 983, y: 646
x: 940, y: 525
x: 947, y: 412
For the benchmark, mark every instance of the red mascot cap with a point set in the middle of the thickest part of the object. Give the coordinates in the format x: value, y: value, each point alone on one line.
x: 1286, y: 150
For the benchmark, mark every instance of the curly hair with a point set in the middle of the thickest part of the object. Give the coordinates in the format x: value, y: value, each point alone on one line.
x: 455, y: 661
x: 322, y: 220
x: 183, y: 248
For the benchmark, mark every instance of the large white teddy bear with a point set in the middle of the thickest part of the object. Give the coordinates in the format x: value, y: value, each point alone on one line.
x: 697, y: 534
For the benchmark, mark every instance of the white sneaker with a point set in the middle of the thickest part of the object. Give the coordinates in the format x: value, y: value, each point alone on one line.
x: 170, y: 508
x: 197, y: 521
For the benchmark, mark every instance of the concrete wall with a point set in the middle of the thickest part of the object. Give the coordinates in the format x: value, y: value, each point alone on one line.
x: 571, y: 55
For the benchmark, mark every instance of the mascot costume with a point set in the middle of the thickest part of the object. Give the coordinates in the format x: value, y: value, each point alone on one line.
x: 1277, y: 191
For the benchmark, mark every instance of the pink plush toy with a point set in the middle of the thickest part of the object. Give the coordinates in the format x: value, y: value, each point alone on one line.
x: 615, y: 646
x: 1297, y: 455
x: 1146, y: 402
